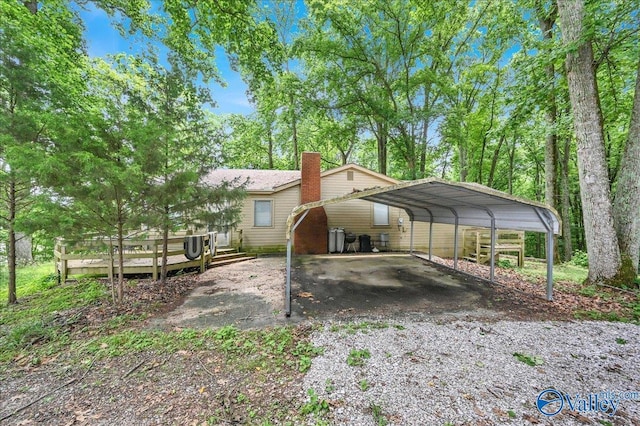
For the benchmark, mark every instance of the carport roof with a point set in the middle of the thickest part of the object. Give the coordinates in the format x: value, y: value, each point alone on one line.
x: 438, y: 201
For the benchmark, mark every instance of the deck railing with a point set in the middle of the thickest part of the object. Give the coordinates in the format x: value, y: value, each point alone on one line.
x: 99, y: 256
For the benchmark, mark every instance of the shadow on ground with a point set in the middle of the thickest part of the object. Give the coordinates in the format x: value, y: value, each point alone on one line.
x: 330, y: 287
x: 333, y: 287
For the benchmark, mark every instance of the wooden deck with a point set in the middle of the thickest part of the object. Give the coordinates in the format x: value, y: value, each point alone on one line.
x: 141, y: 256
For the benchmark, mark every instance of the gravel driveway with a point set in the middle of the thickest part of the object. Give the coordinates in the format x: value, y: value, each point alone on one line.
x: 465, y: 372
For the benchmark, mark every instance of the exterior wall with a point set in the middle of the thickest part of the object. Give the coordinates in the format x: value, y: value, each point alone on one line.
x: 266, y: 238
x: 354, y: 216
x: 357, y: 216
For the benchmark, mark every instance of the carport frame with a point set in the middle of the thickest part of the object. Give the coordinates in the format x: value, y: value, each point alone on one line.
x: 463, y: 204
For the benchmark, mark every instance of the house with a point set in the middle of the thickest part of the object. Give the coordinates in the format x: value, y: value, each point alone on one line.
x: 272, y: 195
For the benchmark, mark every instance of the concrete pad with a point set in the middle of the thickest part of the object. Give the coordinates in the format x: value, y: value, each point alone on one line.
x: 329, y: 287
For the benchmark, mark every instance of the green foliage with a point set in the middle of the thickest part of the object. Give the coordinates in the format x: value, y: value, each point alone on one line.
x: 47, y: 312
x: 305, y: 351
x: 379, y: 417
x: 561, y: 272
x: 621, y: 341
x: 357, y: 357
x: 528, y: 359
x: 364, y: 385
x: 504, y: 263
x: 315, y: 405
x: 580, y: 258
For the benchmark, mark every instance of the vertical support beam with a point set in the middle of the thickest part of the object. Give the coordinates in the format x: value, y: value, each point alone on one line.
x: 430, y: 236
x: 550, y: 264
x: 455, y: 245
x: 411, y: 239
x: 287, y: 287
x: 287, y: 284
x: 154, y: 260
x: 63, y: 262
x: 203, y: 256
x: 547, y: 221
x: 493, y: 249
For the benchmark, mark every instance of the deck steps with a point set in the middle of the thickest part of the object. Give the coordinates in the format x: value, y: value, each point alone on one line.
x: 227, y: 256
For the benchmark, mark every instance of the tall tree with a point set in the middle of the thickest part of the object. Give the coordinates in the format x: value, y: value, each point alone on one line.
x: 39, y: 53
x: 605, y: 263
x: 626, y: 204
x: 176, y: 146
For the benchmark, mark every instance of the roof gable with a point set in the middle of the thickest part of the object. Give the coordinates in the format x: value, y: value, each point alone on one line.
x: 355, y: 167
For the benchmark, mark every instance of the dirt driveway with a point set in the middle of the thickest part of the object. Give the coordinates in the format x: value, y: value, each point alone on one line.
x: 251, y: 294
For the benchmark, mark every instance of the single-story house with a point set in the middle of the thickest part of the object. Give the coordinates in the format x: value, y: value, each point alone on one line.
x: 273, y: 194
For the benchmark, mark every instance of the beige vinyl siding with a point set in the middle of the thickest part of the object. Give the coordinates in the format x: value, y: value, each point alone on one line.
x: 266, y: 238
x: 357, y: 216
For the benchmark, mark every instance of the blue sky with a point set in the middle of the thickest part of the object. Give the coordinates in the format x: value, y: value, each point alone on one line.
x: 102, y: 39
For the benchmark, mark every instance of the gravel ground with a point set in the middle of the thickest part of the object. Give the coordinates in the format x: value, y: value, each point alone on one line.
x: 465, y: 372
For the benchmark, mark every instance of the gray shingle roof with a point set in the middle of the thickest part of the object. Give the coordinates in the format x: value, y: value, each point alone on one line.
x: 259, y: 180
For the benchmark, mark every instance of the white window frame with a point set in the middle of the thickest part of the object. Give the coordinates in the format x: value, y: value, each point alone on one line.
x: 378, y: 213
x: 255, y: 213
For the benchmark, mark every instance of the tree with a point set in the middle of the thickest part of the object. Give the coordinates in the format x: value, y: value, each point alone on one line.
x: 39, y: 58
x: 605, y: 262
x: 175, y: 147
x: 626, y: 205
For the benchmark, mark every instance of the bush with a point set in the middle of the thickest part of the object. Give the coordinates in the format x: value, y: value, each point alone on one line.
x: 580, y: 258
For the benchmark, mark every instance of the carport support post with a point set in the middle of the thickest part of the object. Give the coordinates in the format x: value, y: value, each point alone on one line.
x: 287, y: 286
x: 550, y: 265
x: 455, y: 245
x: 493, y: 249
x: 411, y: 239
x: 430, y: 236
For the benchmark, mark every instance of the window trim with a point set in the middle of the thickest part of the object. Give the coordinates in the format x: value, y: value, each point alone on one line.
x: 255, y: 216
x: 373, y: 215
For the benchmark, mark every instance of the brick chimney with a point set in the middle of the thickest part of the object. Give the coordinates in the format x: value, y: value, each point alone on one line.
x: 310, y: 236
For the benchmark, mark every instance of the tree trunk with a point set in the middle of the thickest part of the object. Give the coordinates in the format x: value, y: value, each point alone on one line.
x: 547, y: 19
x: 32, y: 5
x: 11, y: 249
x: 294, y: 133
x: 626, y: 205
x: 381, y: 138
x: 270, y: 148
x: 566, y: 203
x: 494, y: 161
x: 120, y: 262
x: 600, y: 234
x: 462, y: 157
x: 165, y: 252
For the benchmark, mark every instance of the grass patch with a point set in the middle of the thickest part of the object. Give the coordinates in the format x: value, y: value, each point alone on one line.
x: 528, y: 359
x: 30, y: 279
x: 44, y: 311
x: 357, y: 357
x: 563, y: 272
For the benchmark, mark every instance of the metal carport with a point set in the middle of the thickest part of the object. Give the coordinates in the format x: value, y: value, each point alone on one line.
x: 434, y: 200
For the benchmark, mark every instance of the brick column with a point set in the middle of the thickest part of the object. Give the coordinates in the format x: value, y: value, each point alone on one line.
x: 310, y: 236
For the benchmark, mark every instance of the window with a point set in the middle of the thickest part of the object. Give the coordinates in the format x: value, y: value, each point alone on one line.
x: 262, y: 213
x: 380, y: 214
x: 349, y: 174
